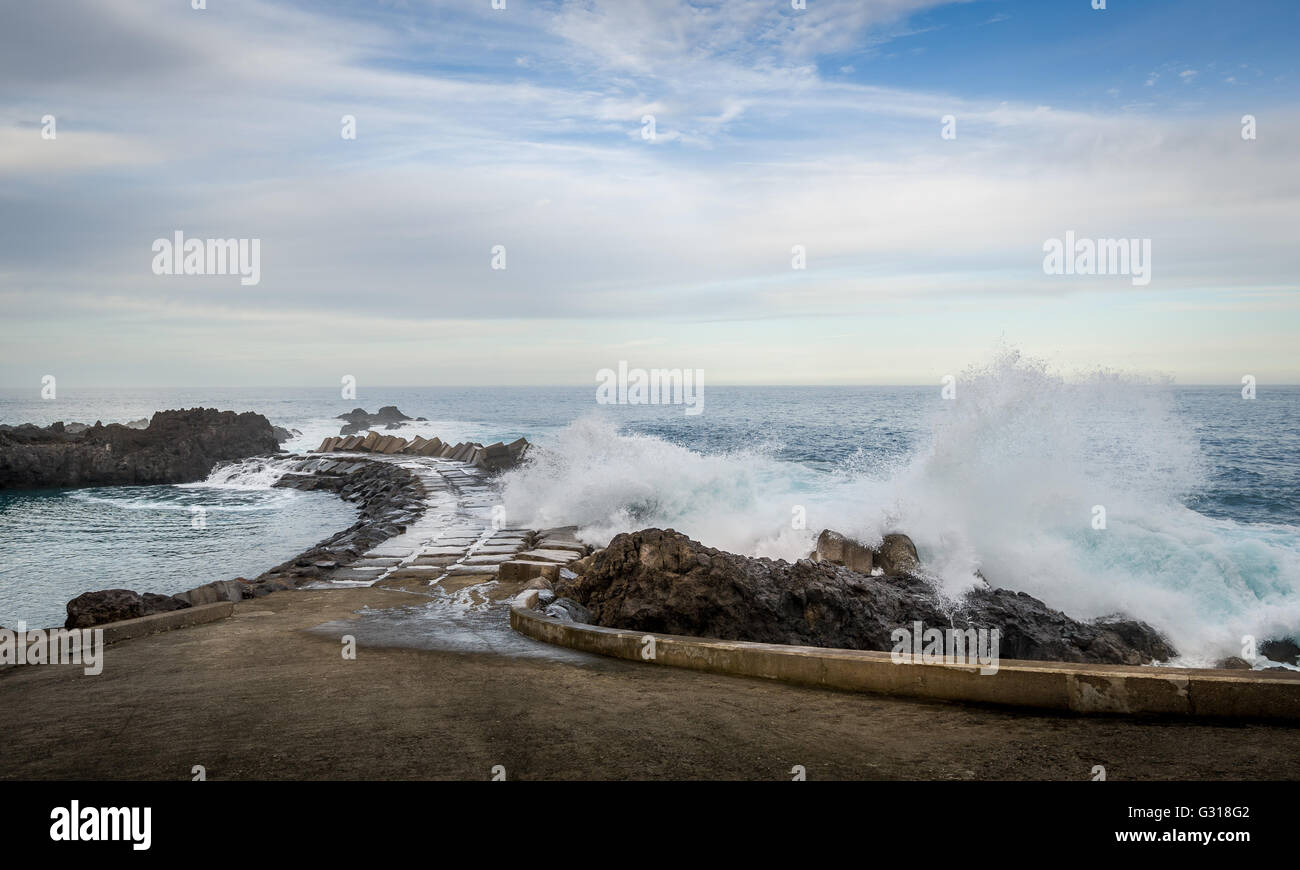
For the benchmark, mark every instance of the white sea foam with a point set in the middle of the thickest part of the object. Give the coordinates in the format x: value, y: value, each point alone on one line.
x: 249, y: 474
x: 1006, y: 484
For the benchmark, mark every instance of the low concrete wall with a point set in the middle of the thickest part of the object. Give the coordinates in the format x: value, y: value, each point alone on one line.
x: 1046, y: 685
x: 127, y: 629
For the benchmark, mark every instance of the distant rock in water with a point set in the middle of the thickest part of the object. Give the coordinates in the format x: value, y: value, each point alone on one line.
x: 359, y: 420
x: 662, y: 581
x: 282, y: 434
x: 176, y: 447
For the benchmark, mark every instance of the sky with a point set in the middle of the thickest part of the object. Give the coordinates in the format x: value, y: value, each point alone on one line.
x: 913, y: 156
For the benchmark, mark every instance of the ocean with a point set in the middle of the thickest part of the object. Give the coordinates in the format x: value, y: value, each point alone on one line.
x: 1098, y: 493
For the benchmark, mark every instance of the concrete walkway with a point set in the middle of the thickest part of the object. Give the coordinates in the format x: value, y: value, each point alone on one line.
x: 462, y: 538
x: 267, y: 694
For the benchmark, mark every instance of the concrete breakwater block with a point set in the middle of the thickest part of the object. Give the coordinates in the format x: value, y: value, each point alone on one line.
x: 492, y: 457
x: 216, y: 591
x: 896, y: 553
x: 560, y: 557
x: 840, y: 550
x: 519, y: 570
x: 561, y: 544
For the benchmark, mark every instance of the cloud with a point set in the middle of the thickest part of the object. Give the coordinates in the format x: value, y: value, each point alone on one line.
x: 23, y: 149
x: 216, y: 124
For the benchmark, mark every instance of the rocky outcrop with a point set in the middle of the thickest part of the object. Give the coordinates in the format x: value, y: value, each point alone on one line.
x: 1233, y: 663
x: 1281, y: 650
x: 176, y: 447
x: 111, y: 605
x: 662, y: 581
x: 387, y: 417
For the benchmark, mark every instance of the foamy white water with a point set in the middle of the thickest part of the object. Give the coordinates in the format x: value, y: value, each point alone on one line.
x: 250, y: 474
x: 1007, y: 483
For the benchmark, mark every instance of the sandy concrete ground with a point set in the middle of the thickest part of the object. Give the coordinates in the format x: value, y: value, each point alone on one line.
x: 263, y: 696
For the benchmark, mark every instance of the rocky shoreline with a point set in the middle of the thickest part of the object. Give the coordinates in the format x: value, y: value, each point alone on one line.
x: 176, y: 447
x: 184, y: 446
x: 843, y: 596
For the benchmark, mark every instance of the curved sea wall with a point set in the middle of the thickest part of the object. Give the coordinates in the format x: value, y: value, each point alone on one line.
x: 1059, y: 686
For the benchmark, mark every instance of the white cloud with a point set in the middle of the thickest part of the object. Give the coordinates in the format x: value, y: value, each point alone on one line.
x: 754, y: 152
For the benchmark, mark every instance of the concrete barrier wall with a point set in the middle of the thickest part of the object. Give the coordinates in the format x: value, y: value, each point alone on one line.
x: 1044, y: 685
x: 127, y: 629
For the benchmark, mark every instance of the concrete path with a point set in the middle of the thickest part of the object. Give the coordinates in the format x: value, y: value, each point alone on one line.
x: 267, y: 694
x: 463, y: 534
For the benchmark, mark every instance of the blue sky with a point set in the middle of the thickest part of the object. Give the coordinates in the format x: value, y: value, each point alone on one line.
x: 523, y: 127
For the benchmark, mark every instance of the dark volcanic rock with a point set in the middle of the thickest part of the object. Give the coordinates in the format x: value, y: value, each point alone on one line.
x: 111, y: 605
x: 1284, y: 650
x: 359, y: 420
x: 177, y: 447
x: 662, y: 581
x: 1233, y: 663
x: 156, y: 603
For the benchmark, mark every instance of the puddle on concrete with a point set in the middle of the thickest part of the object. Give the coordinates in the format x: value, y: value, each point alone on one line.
x: 444, y: 560
x: 453, y: 624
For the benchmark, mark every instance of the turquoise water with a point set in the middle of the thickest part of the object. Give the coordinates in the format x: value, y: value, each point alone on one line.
x: 56, y: 545
x: 1200, y: 487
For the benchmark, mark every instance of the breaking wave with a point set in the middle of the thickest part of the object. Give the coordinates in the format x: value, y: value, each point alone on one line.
x: 1075, y: 490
